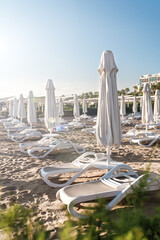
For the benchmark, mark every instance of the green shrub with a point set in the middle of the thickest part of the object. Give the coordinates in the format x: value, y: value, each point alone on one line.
x: 19, y: 223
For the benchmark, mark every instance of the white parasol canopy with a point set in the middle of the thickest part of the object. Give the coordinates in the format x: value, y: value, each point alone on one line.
x: 31, y: 110
x: 50, y: 106
x: 123, y: 106
x: 84, y: 106
x: 141, y: 104
x: 134, y: 109
x: 157, y: 104
x: 147, y: 115
x: 108, y: 131
x: 11, y: 108
x: 61, y: 112
x: 76, y: 112
x: 15, y: 108
x: 21, y: 108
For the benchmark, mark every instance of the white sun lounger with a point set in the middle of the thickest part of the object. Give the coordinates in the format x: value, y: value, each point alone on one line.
x: 135, y: 134
x: 44, y: 141
x: 127, y: 122
x: 86, y: 117
x: 17, y: 125
x: 21, y: 132
x: 75, y: 124
x: 55, y: 145
x: 9, y: 119
x: 26, y: 134
x: 62, y: 121
x: 149, y: 126
x: 10, y: 123
x: 16, y: 128
x: 156, y: 126
x: 149, y: 141
x: 134, y: 116
x: 87, y: 161
x: 142, y: 135
x: 131, y: 133
x: 116, y: 183
x: 91, y: 130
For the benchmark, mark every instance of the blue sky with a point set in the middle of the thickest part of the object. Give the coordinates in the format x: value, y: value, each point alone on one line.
x: 63, y: 40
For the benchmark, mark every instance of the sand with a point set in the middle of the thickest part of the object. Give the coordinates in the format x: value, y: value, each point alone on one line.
x: 20, y: 180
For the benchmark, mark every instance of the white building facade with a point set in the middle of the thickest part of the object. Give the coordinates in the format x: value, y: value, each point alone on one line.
x: 152, y: 79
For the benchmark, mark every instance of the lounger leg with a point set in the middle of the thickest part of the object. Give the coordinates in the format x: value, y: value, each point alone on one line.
x: 36, y: 149
x: 73, y: 212
x: 123, y: 194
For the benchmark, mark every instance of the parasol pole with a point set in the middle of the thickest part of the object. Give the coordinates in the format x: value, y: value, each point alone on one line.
x: 108, y: 154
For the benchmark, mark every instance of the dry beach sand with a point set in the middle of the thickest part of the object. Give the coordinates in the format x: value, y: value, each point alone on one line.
x: 20, y: 180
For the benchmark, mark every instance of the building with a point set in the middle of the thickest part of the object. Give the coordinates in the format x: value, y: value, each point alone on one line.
x: 150, y: 78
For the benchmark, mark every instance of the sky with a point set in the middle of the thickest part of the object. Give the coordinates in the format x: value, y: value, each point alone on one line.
x: 63, y: 40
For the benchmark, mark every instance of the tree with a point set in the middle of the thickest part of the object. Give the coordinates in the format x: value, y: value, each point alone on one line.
x: 90, y: 94
x: 119, y: 93
x: 158, y: 85
x: 127, y: 90
x: 135, y: 89
x: 153, y: 88
x: 122, y: 91
x: 140, y: 93
x: 96, y: 94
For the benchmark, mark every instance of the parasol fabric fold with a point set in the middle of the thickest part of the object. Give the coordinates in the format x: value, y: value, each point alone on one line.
x: 21, y: 108
x: 76, y: 112
x: 147, y: 115
x: 31, y: 109
x: 84, y: 106
x: 11, y: 108
x: 61, y: 112
x: 123, y: 106
x: 157, y: 103
x: 108, y: 131
x: 50, y: 106
x: 15, y: 108
x: 134, y: 109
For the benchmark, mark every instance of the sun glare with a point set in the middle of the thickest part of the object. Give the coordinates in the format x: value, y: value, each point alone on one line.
x: 4, y: 48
